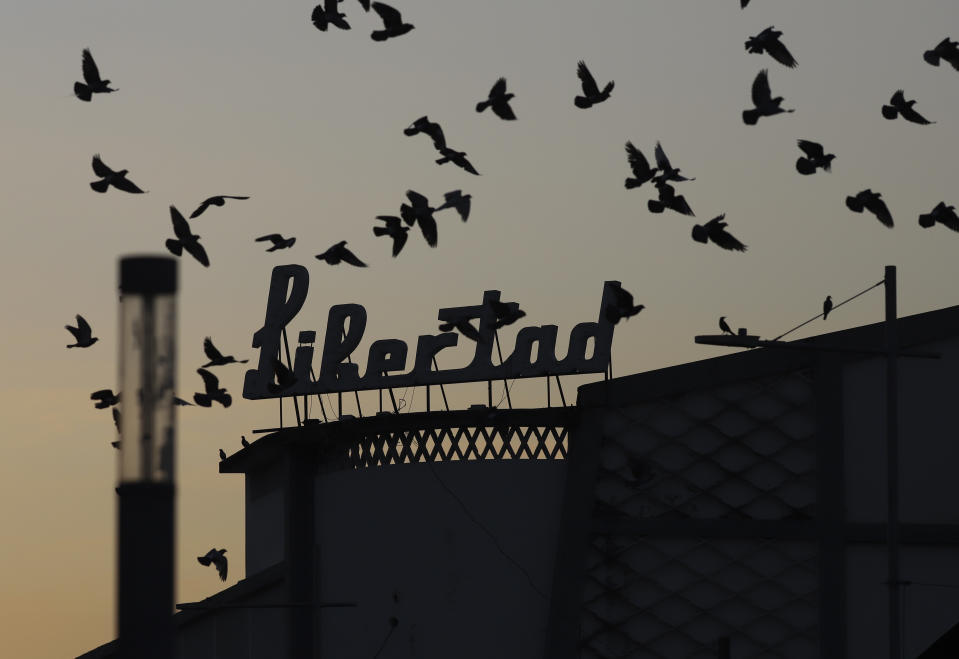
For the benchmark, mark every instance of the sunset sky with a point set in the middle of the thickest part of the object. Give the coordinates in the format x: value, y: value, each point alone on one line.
x: 248, y: 98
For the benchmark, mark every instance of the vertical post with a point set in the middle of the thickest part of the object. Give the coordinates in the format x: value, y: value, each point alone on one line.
x: 892, y: 464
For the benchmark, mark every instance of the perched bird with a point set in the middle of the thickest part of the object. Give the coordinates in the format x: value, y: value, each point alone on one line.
x: 328, y: 13
x: 82, y: 334
x: 214, y: 392
x: 871, y: 201
x: 947, y: 50
x: 420, y: 212
x: 284, y: 378
x: 898, y: 105
x: 339, y: 252
x: 179, y: 401
x: 424, y: 125
x: 591, y: 94
x: 218, y: 200
x: 715, y: 230
x: 642, y: 172
x: 668, y: 199
x: 766, y: 105
x: 461, y: 202
x: 215, y: 556
x: 826, y: 307
x: 815, y: 157
x: 498, y: 100
x: 243, y: 441
x: 279, y: 242
x: 944, y: 215
x: 216, y: 357
x: 464, y: 327
x: 395, y: 230
x: 109, y: 177
x: 724, y: 326
x: 92, y: 84
x: 105, y: 398
x: 506, y: 313
x: 185, y: 239
x: 458, y: 158
x: 393, y: 25
x: 622, y: 305
x: 222, y: 454
x: 768, y: 41
x: 666, y: 171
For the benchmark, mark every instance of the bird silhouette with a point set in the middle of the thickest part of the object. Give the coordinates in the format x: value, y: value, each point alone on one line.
x: 279, y: 242
x: 898, y: 105
x: 284, y: 378
x: 82, y: 334
x: 458, y: 158
x: 109, y: 177
x: 506, y: 313
x: 393, y: 25
x: 743, y: 3
x: 642, y: 172
x: 365, y: 4
x: 218, y: 200
x: 243, y: 441
x: 768, y: 41
x: 339, y: 252
x: 222, y: 454
x: 591, y: 94
x: 216, y: 557
x: 666, y: 171
x: 715, y: 230
x: 621, y: 305
x: 179, y: 401
x: 185, y: 239
x: 461, y: 202
x: 498, y: 100
x: 724, y: 326
x: 871, y: 201
x: 92, y: 84
x: 766, y: 105
x: 943, y: 214
x: 327, y: 13
x: 424, y: 125
x: 826, y: 307
x: 464, y: 327
x: 815, y: 157
x: 420, y: 212
x: 214, y: 392
x: 945, y: 49
x: 668, y: 199
x: 216, y: 357
x: 394, y: 229
x: 105, y: 398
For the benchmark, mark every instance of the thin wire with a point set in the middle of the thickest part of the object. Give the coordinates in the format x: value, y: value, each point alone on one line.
x: 385, y: 641
x: 835, y: 306
x: 931, y: 585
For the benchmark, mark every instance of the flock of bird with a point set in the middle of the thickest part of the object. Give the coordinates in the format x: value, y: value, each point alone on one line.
x: 418, y: 210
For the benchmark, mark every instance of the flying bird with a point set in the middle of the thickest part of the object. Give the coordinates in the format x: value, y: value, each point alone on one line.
x: 871, y: 201
x: 898, y: 105
x: 339, y: 252
x: 420, y: 212
x: 458, y: 158
x: 668, y: 199
x: 218, y: 200
x: 826, y: 307
x: 622, y: 305
x: 214, y: 392
x: 327, y: 13
x: 109, y: 177
x: 591, y: 94
x: 365, y: 4
x: 642, y: 172
x: 944, y: 215
x: 279, y: 242
x: 393, y: 25
x: 433, y: 129
x: 461, y: 202
x: 715, y: 230
x: 185, y: 239
x: 666, y: 171
x: 284, y: 378
x: 243, y: 441
x: 179, y: 401
x: 724, y: 326
x: 815, y: 157
x: 464, y: 327
x: 768, y: 41
x: 947, y: 50
x: 498, y: 100
x: 81, y: 333
x: 92, y: 84
x: 105, y: 398
x: 215, y: 556
x: 506, y: 313
x: 395, y: 230
x: 216, y: 357
x: 766, y: 105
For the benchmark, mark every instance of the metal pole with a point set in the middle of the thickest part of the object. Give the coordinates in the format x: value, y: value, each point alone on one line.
x: 296, y: 405
x: 892, y: 464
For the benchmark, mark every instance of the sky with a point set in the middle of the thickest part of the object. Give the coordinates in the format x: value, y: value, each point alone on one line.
x: 248, y: 98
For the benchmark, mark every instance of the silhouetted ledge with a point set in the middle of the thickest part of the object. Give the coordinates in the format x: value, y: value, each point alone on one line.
x: 913, y: 331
